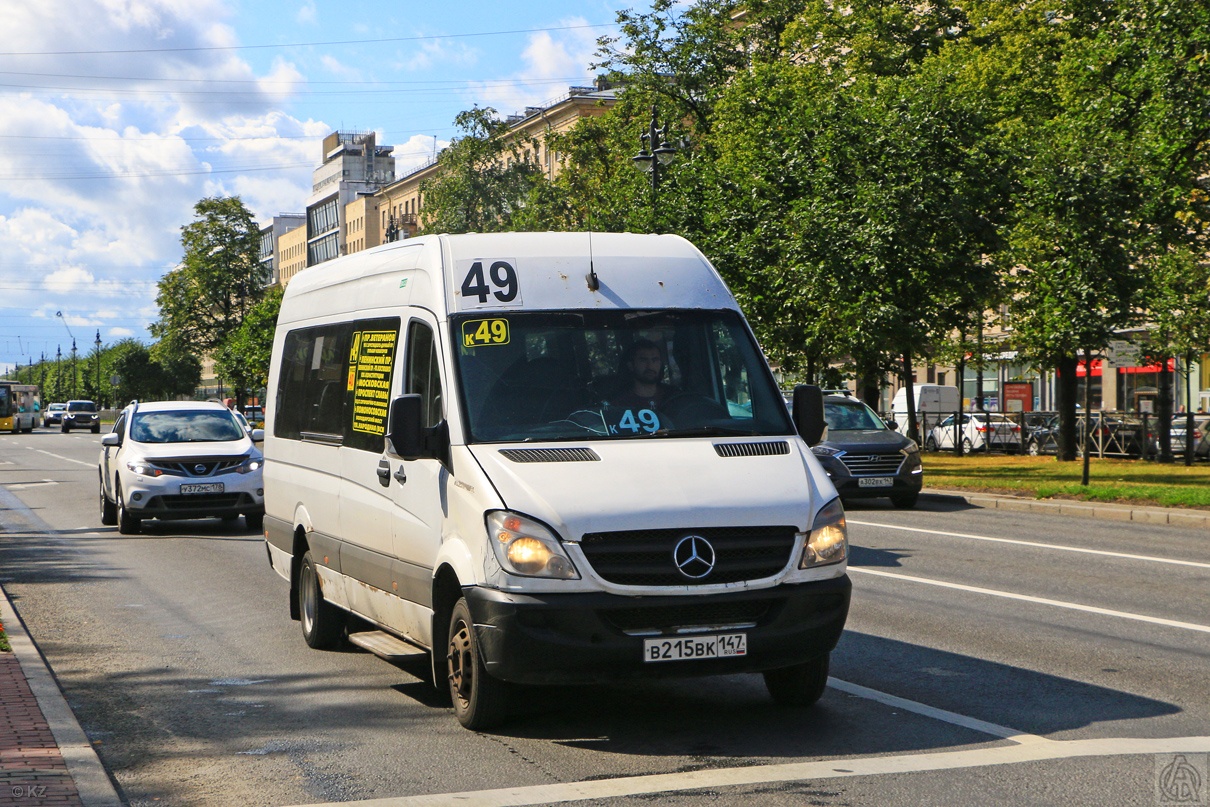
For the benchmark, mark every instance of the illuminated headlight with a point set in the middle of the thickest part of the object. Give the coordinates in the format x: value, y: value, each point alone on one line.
x: 826, y: 451
x: 143, y: 468
x: 828, y: 541
x: 525, y: 547
x: 251, y: 465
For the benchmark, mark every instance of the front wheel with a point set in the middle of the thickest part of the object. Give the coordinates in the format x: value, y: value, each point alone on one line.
x: 480, y: 701
x: 109, y: 510
x: 967, y: 448
x: 930, y: 444
x: 322, y: 622
x: 127, y: 524
x: 800, y: 685
x: 1033, y: 448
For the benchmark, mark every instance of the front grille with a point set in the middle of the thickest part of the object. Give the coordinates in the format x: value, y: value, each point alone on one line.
x: 671, y: 617
x: 644, y: 557
x: 550, y: 454
x: 202, y: 466
x: 872, y: 464
x: 768, y: 449
x: 201, y: 501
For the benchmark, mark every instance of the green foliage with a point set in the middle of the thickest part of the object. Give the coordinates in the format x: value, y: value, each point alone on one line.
x: 147, y: 377
x: 244, y: 356
x: 485, y: 179
x: 220, y: 278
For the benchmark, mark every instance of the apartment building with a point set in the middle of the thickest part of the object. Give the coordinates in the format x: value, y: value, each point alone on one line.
x: 353, y: 165
x: 270, y: 246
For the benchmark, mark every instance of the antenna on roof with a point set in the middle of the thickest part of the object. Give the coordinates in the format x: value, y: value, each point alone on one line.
x: 594, y: 282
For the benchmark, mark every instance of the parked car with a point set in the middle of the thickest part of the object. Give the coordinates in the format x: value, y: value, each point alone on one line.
x: 177, y: 460
x: 255, y: 415
x: 865, y: 457
x: 53, y: 415
x: 979, y: 431
x: 1112, y: 435
x: 1201, y: 435
x: 81, y: 415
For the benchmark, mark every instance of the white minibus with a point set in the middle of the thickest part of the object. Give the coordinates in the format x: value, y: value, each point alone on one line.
x: 547, y: 458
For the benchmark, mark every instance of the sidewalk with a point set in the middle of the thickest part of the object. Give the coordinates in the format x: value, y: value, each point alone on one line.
x: 45, y: 757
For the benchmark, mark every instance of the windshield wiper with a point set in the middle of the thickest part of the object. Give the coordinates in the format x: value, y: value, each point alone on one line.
x: 707, y: 431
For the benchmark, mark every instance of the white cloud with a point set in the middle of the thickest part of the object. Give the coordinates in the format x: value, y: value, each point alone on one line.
x: 338, y: 68
x: 550, y: 62
x: 307, y: 14
x: 431, y: 53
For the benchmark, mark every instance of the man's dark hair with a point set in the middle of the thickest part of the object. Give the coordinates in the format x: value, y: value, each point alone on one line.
x: 634, y: 347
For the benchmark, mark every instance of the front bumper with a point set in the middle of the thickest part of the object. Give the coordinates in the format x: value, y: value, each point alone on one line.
x: 162, y: 498
x: 587, y: 638
x: 78, y: 422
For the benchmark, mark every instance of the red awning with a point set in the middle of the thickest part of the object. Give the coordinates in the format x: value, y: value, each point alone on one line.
x: 1096, y: 368
x: 1150, y: 368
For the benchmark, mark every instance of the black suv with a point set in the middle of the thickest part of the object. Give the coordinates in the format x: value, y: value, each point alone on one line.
x: 81, y: 415
x: 865, y: 457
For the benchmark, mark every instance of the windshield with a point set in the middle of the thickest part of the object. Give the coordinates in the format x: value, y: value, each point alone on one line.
x: 81, y: 406
x: 185, y: 427
x: 583, y: 375
x: 851, y: 416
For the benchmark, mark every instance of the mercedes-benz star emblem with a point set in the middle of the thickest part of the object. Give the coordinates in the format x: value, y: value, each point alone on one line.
x: 693, y: 556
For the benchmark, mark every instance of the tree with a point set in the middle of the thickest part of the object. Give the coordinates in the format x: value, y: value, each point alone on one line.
x: 486, y: 176
x: 244, y: 356
x: 142, y: 376
x: 220, y: 278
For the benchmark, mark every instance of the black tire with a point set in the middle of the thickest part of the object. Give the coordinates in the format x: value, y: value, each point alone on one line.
x: 800, y: 685
x: 127, y: 524
x: 96, y: 429
x: 480, y: 701
x: 322, y: 622
x: 109, y: 510
x: 930, y: 444
x: 1033, y: 449
x: 64, y: 429
x: 905, y: 501
x: 254, y: 521
x: 966, y: 445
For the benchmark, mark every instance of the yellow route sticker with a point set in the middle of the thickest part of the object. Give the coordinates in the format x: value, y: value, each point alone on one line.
x: 482, y: 332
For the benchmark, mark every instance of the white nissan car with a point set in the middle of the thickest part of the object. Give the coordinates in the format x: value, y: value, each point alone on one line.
x: 180, y: 459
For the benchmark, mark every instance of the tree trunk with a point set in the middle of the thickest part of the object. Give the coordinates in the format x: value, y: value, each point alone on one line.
x: 913, y: 432
x: 1065, y: 395
x: 1164, y: 417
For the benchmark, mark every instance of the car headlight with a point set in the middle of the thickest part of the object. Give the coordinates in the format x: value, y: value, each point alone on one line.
x: 143, y: 467
x: 910, y: 448
x: 251, y: 465
x: 826, y: 451
x: 525, y: 547
x: 828, y: 541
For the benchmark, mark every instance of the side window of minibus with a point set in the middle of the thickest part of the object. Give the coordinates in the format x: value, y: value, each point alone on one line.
x: 423, y: 371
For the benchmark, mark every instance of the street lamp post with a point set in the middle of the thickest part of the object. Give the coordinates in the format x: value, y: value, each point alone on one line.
x: 97, y: 343
x: 655, y: 153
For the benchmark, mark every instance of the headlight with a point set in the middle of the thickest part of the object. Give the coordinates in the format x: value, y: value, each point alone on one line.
x: 143, y: 468
x: 828, y: 541
x: 525, y: 547
x: 251, y: 465
x: 826, y: 451
x: 910, y: 448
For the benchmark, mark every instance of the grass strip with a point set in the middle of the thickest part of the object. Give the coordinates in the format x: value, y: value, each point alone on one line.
x: 1110, y: 480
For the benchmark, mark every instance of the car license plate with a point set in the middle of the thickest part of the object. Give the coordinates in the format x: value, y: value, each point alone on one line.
x: 208, y: 487
x: 876, y: 482
x: 683, y: 648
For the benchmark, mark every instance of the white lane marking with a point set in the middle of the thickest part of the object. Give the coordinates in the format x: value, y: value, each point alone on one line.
x: 1059, y: 547
x: 953, y: 718
x: 24, y: 485
x: 65, y: 459
x: 1091, y: 609
x: 629, y: 786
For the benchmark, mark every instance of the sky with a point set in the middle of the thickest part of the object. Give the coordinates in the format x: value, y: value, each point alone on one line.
x: 117, y: 116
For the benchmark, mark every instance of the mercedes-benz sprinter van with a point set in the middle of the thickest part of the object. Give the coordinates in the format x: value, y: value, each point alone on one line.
x: 547, y: 458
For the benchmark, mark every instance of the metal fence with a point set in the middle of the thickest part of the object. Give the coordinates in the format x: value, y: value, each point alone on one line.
x: 1114, y: 434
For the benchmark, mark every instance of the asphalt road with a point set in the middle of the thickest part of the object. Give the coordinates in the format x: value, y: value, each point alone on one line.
x: 991, y: 657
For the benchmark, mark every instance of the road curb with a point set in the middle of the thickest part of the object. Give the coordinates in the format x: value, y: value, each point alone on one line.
x: 83, y: 765
x: 1176, y: 517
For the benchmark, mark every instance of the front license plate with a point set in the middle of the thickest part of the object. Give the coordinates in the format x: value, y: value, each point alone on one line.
x: 683, y: 648
x: 876, y: 482
x: 209, y: 487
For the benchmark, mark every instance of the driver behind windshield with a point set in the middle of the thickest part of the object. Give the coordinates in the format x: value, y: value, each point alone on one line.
x: 643, y: 364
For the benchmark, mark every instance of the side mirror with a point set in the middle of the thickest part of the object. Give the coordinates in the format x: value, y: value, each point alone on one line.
x: 892, y: 425
x: 406, y: 431
x: 257, y: 435
x: 808, y: 412
x: 111, y: 440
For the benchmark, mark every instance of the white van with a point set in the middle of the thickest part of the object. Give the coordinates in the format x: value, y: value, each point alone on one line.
x: 933, y: 401
x: 547, y: 458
